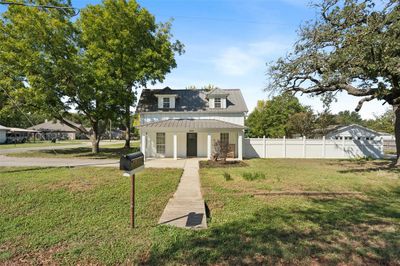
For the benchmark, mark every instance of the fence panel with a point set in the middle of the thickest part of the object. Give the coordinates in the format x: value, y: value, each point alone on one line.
x: 311, y: 148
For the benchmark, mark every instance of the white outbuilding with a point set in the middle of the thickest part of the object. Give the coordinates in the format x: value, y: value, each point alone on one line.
x: 3, y: 134
x: 354, y: 132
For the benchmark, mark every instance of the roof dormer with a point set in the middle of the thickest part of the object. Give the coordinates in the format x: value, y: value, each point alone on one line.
x: 217, y: 98
x: 166, y: 99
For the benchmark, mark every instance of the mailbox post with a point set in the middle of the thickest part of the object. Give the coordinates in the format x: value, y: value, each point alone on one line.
x: 131, y: 164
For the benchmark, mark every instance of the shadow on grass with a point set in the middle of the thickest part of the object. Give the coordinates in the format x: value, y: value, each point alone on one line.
x: 330, y: 231
x: 363, y: 166
x: 82, y: 152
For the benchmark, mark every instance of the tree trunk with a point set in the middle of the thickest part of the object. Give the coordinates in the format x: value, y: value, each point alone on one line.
x: 128, y: 128
x: 95, y: 138
x: 95, y: 144
x: 397, y: 133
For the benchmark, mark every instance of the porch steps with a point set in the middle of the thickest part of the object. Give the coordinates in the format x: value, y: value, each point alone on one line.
x: 186, y: 208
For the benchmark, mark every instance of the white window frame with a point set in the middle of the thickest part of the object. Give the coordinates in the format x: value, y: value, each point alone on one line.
x: 225, y: 134
x: 166, y: 101
x: 160, y: 143
x: 217, y: 103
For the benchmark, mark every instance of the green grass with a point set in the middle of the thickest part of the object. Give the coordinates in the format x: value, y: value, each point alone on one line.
x: 71, y: 216
x: 289, y: 229
x: 107, y: 151
x: 80, y: 215
x: 40, y: 144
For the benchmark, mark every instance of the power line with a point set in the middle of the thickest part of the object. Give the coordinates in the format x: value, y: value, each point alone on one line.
x: 76, y: 10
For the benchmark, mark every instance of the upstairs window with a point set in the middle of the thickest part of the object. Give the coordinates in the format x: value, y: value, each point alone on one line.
x: 166, y: 104
x: 217, y: 103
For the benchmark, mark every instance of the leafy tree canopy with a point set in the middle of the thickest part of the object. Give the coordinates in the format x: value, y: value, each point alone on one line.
x: 352, y: 46
x: 54, y: 64
x: 270, y: 117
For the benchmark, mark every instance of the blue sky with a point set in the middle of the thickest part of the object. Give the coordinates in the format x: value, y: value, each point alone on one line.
x: 229, y: 42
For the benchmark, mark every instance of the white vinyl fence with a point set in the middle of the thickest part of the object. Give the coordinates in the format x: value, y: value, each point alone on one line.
x: 311, y: 148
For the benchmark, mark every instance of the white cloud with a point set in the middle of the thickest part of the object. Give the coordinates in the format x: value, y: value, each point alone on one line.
x: 271, y: 48
x: 236, y: 62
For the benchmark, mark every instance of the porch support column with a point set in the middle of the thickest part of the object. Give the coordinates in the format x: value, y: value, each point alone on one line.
x: 143, y: 144
x: 240, y: 145
x: 175, y: 147
x: 209, y: 146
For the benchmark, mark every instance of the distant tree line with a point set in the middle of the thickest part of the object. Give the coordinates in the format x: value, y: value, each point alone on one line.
x: 284, y: 115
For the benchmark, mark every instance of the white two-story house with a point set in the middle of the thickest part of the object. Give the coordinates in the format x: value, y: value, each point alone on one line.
x: 187, y: 123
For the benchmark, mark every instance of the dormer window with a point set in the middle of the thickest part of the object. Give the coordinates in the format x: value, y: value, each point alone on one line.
x: 166, y: 103
x: 217, y: 103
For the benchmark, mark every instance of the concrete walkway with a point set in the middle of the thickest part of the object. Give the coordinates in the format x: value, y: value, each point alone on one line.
x: 186, y: 208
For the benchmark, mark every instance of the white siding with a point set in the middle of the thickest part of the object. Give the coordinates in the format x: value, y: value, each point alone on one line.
x: 2, y: 136
x: 354, y: 132
x: 211, y: 103
x: 181, y: 136
x: 234, y: 118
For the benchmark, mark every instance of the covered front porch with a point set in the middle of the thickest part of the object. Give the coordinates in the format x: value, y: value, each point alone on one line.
x: 183, y: 138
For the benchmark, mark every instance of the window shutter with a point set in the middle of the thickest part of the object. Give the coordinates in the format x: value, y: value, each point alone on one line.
x: 160, y: 102
x: 211, y: 103
x: 223, y: 103
x: 172, y: 102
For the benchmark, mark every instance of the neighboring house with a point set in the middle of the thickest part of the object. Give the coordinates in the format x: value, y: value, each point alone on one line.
x: 15, y: 135
x: 187, y: 123
x: 353, y: 132
x: 3, y: 134
x: 20, y: 135
x: 54, y: 129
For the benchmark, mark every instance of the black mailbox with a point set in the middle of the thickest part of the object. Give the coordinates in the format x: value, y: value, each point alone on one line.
x: 133, y: 162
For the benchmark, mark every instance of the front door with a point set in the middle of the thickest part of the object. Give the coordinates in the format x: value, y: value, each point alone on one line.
x: 191, y: 146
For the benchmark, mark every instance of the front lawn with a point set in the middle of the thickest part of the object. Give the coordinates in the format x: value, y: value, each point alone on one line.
x: 107, y: 151
x: 245, y: 228
x: 80, y: 215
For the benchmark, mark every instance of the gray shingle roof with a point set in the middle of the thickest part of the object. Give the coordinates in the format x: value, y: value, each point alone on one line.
x: 54, y: 126
x: 192, y: 101
x: 192, y: 124
x: 217, y: 92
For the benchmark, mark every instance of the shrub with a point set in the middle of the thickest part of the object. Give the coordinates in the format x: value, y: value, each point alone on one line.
x: 221, y: 150
x: 227, y: 176
x: 249, y: 176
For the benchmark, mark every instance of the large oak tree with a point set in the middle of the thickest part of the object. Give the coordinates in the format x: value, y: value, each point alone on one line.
x: 353, y: 46
x: 57, y: 65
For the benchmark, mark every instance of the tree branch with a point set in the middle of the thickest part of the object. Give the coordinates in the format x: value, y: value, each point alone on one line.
x: 363, y: 100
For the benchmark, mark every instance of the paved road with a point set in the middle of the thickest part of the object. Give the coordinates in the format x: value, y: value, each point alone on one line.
x: 186, y: 208
x: 55, y: 162
x: 52, y: 147
x: 74, y: 162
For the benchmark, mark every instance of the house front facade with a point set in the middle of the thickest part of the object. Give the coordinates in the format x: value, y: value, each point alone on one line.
x: 188, y: 123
